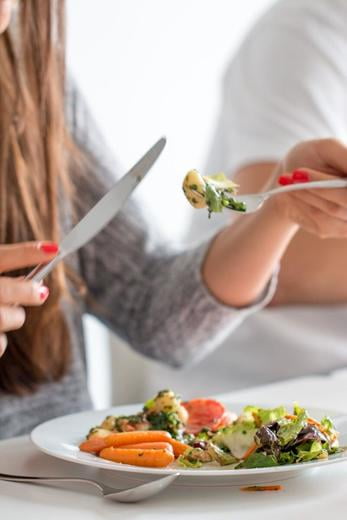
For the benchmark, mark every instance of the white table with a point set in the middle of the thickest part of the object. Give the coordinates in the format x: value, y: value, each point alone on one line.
x: 321, y: 493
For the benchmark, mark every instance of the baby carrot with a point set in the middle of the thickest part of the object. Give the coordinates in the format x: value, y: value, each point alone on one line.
x: 149, y: 446
x: 95, y: 445
x: 178, y: 447
x: 138, y: 457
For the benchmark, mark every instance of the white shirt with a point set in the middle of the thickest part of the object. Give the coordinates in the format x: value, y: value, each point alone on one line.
x: 287, y: 83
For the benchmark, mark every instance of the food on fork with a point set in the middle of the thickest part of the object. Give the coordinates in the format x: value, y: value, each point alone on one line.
x: 202, y: 432
x: 211, y: 192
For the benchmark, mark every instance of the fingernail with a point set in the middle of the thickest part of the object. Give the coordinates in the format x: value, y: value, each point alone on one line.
x: 49, y: 247
x: 300, y: 176
x: 284, y: 180
x: 43, y: 292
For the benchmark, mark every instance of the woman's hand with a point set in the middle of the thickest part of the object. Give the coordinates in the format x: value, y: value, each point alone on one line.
x: 18, y: 292
x: 319, y: 211
x: 322, y: 212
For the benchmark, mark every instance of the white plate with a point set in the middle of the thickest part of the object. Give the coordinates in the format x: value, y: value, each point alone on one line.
x: 60, y: 438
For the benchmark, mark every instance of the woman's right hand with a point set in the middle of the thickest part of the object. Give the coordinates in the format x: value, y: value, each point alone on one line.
x: 15, y: 293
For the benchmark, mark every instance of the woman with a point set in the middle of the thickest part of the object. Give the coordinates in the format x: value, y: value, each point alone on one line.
x: 52, y: 169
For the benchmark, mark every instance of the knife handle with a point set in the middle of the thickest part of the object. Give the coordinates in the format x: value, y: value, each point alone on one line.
x: 42, y: 270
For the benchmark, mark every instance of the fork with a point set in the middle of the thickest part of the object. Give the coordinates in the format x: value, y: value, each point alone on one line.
x: 134, y: 494
x: 254, y: 201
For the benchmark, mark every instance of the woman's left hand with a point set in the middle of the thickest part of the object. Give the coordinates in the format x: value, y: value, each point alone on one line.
x: 322, y: 212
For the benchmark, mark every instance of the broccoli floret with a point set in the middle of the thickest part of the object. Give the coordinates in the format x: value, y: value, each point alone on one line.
x: 168, y: 421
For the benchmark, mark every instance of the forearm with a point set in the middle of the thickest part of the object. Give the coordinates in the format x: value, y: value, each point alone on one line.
x: 242, y: 258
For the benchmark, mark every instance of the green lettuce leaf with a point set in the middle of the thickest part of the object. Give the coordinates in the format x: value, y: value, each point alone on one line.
x: 258, y: 460
x: 213, y: 199
x: 272, y: 414
x: 311, y: 451
x: 297, y: 410
x: 328, y: 425
x: 264, y: 415
x: 287, y: 457
x: 289, y: 430
x: 189, y: 463
x: 249, y: 412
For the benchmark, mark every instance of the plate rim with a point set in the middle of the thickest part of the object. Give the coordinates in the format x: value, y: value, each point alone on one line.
x: 197, y: 473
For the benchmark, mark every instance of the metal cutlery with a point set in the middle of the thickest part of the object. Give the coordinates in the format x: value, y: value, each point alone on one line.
x: 103, y: 211
x: 135, y: 494
x: 254, y: 201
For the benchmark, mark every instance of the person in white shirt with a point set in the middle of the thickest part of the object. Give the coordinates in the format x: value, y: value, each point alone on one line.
x: 287, y: 83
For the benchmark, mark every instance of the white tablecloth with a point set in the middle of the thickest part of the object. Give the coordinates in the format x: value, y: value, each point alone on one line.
x: 321, y: 493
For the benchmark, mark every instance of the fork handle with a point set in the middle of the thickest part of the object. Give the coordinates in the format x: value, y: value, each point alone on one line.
x: 338, y: 183
x: 23, y: 478
x: 36, y: 480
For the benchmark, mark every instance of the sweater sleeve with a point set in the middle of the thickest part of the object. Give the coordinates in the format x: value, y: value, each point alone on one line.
x: 153, y: 297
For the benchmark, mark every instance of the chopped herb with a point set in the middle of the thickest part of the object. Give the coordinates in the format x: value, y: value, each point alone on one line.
x: 168, y: 421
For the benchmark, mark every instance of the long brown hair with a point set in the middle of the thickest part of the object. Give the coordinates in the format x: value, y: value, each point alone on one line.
x: 34, y: 158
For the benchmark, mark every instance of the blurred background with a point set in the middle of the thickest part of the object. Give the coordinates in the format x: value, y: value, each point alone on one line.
x: 151, y: 68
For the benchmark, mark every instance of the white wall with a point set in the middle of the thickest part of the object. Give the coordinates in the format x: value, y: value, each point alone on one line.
x: 148, y: 68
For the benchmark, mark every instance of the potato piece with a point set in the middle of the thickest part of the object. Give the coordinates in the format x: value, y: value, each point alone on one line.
x: 109, y: 423
x: 98, y: 432
x: 194, y: 188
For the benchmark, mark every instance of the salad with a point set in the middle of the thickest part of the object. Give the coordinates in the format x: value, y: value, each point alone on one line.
x: 201, y: 431
x: 211, y: 192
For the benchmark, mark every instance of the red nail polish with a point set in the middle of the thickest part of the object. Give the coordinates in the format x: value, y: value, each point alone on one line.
x: 300, y: 176
x: 49, y: 247
x: 43, y: 292
x: 284, y: 180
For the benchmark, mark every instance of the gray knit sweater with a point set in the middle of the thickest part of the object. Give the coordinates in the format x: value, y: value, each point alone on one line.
x: 154, y: 299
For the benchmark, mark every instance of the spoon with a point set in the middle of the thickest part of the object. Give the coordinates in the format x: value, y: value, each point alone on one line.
x: 134, y: 494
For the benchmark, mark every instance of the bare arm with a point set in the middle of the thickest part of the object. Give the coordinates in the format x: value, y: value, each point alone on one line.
x: 244, y: 255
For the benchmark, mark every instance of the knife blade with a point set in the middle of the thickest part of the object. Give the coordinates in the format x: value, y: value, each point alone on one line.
x: 103, y: 211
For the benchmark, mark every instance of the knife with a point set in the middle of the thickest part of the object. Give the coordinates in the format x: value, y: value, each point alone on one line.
x: 103, y: 211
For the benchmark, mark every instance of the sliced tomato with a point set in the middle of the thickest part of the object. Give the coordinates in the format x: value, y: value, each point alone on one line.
x: 205, y: 413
